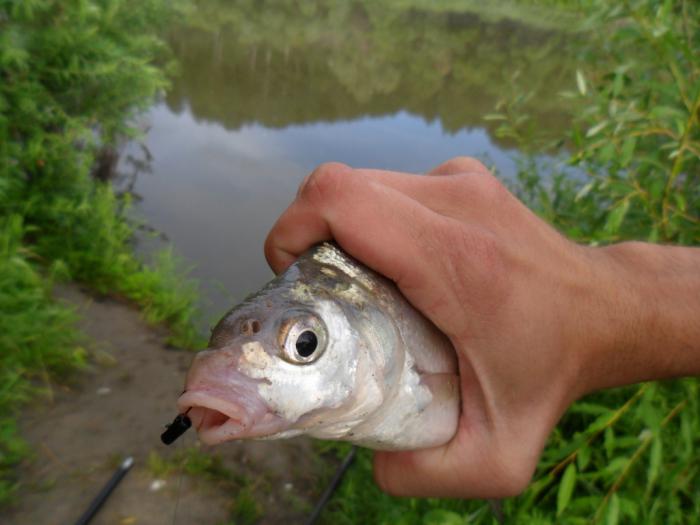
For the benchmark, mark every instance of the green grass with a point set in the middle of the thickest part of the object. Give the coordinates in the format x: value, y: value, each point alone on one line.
x: 37, y: 338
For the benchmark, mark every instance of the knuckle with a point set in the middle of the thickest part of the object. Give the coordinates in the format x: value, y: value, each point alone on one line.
x: 324, y: 182
x: 270, y: 247
x: 462, y: 164
x: 486, y: 188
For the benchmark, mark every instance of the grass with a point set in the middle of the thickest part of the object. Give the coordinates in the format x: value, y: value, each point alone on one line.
x: 37, y: 337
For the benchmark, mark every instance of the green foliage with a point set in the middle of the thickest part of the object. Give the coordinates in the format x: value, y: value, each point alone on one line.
x: 37, y: 337
x: 638, y: 135
x: 626, y: 455
x: 72, y: 75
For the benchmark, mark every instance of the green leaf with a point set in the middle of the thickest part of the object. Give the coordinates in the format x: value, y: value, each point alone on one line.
x: 581, y: 82
x: 627, y: 151
x: 654, y: 234
x: 566, y: 488
x: 681, y: 202
x: 609, y: 441
x: 616, y: 217
x: 594, y: 130
x: 654, y: 463
x: 607, y: 152
x: 442, y: 517
x: 598, y: 424
x: 612, y: 516
x: 583, y: 457
x: 618, y: 84
x: 656, y: 188
x: 616, y: 465
x: 494, y: 116
x: 585, y: 190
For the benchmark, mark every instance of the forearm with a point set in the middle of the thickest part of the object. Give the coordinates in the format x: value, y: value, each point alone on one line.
x: 652, y: 315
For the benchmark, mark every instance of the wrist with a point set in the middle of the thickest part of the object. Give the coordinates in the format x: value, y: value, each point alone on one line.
x: 647, y: 307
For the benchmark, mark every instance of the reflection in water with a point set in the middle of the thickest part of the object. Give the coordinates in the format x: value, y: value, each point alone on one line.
x: 310, y: 61
x: 267, y: 93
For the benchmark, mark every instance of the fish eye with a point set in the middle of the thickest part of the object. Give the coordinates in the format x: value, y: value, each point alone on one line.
x: 302, y: 338
x: 306, y: 343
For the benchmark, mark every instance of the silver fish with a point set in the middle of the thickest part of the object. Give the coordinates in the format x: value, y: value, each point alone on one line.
x: 330, y: 349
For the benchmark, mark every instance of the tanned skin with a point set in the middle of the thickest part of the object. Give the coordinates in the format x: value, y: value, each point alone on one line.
x: 537, y: 320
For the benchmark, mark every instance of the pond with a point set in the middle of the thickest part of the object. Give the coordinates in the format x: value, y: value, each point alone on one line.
x: 264, y: 94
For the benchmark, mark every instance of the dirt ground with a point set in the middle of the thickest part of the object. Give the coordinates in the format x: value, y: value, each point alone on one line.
x: 118, y: 408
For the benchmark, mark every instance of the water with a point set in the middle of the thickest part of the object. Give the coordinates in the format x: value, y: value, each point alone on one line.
x: 266, y: 94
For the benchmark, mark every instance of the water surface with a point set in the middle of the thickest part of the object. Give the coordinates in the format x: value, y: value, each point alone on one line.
x: 264, y: 94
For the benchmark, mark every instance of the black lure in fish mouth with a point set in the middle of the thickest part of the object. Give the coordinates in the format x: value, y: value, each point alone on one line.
x: 174, y: 430
x: 204, y: 417
x: 219, y: 418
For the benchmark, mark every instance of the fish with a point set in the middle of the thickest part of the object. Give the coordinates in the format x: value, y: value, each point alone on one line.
x: 329, y: 349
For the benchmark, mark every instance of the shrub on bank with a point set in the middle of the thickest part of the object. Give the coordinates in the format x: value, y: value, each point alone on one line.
x: 72, y: 76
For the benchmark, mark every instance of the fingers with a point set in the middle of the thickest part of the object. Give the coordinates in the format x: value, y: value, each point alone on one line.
x: 449, y: 196
x: 336, y: 201
x: 427, y: 234
x: 469, y: 466
x: 390, y: 232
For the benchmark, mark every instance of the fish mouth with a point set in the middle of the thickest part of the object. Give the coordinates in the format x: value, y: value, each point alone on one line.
x: 218, y: 418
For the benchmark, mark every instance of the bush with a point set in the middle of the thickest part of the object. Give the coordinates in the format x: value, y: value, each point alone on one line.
x: 72, y: 76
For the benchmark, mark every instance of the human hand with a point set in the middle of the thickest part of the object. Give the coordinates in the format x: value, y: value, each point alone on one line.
x: 530, y: 313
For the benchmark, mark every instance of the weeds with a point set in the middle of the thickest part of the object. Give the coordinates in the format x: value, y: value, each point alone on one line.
x: 37, y: 337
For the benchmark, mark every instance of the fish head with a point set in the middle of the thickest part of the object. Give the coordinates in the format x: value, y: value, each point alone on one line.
x: 301, y: 355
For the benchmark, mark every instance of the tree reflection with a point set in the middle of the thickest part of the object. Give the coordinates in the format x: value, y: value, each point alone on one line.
x: 303, y: 61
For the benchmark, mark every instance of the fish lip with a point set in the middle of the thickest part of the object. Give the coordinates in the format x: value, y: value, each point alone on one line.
x: 242, y: 423
x: 192, y: 399
x: 202, y: 406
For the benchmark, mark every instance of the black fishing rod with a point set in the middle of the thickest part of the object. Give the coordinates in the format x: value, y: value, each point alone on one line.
x: 332, y: 486
x: 106, y: 491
